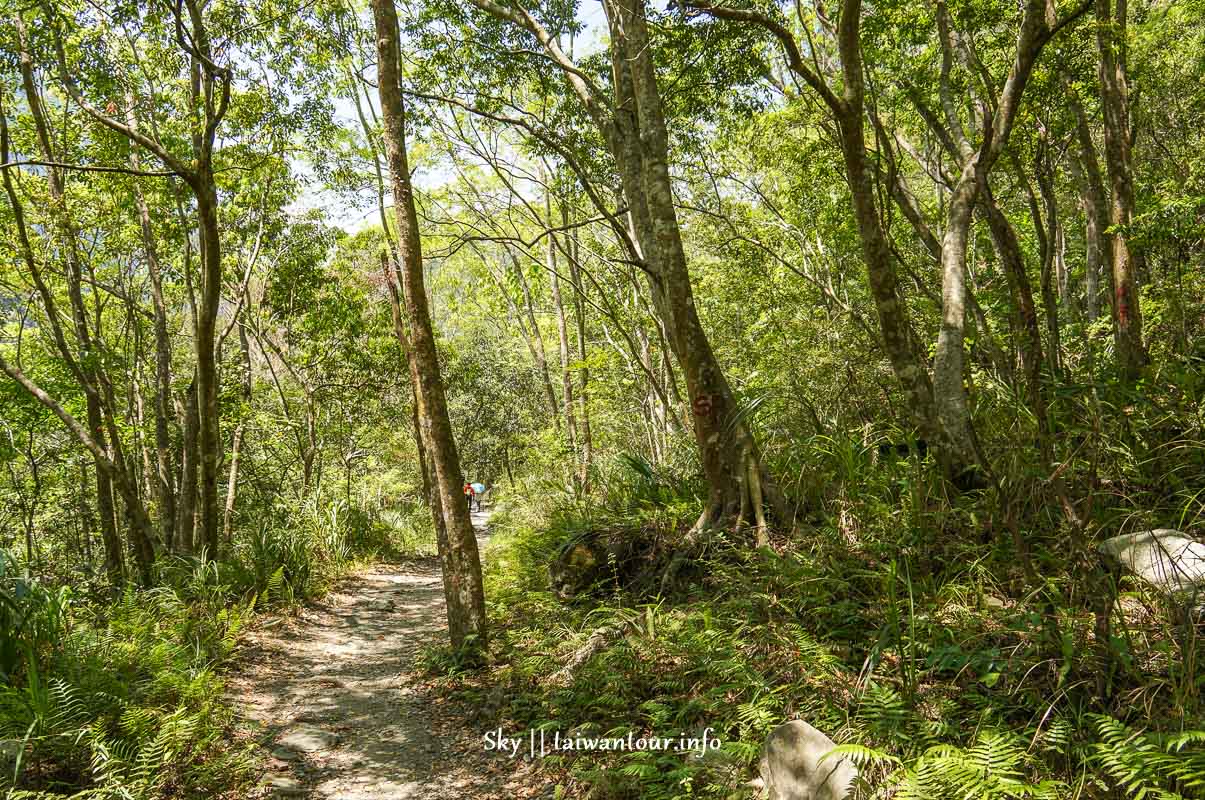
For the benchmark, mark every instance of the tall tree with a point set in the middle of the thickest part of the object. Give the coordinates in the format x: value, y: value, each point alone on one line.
x: 1127, y: 258
x: 633, y: 125
x: 461, y: 563
x: 210, y: 90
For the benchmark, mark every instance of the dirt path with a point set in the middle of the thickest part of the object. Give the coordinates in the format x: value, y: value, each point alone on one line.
x: 333, y: 696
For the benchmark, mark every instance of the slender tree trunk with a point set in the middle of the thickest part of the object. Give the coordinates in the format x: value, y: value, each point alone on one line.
x: 583, y: 395
x: 209, y: 443
x: 1049, y: 242
x: 461, y: 562
x: 1127, y: 259
x: 186, y: 509
x: 537, y: 343
x: 164, y: 467
x: 948, y: 361
x: 236, y: 446
x: 562, y: 332
x: 1095, y: 202
x: 85, y: 513
x: 1004, y: 239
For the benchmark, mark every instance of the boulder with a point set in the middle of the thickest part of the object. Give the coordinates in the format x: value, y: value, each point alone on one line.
x: 792, y: 769
x: 1165, y: 558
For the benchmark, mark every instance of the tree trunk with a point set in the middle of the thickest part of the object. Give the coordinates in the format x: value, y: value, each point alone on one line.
x: 164, y: 467
x: 236, y: 446
x: 537, y: 343
x: 584, y: 371
x: 209, y: 442
x: 1127, y: 260
x: 1048, y: 241
x: 186, y: 509
x: 640, y: 143
x: 1095, y: 202
x: 403, y: 338
x: 562, y: 333
x: 1004, y: 239
x: 85, y: 514
x: 949, y: 362
x: 461, y: 562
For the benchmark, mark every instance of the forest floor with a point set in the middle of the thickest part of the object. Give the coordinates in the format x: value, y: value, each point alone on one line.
x: 336, y: 698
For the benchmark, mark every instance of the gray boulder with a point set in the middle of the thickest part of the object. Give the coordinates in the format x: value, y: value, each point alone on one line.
x: 792, y: 769
x: 1164, y: 558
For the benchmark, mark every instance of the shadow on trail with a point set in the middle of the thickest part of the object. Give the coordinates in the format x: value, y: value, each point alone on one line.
x: 332, y: 694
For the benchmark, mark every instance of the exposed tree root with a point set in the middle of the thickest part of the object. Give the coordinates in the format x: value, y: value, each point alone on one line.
x: 595, y: 644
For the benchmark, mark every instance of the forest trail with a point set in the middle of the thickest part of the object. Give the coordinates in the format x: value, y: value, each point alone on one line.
x: 334, y: 698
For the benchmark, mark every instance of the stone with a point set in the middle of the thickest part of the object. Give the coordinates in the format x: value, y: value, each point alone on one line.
x: 308, y: 740
x: 792, y: 769
x: 9, y: 750
x: 1165, y: 558
x: 284, y: 786
x: 991, y: 601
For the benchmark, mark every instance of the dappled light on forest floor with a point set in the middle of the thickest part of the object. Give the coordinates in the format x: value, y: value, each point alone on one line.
x: 333, y: 697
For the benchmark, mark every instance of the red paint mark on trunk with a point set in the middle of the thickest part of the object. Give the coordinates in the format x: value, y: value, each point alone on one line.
x: 1123, y: 305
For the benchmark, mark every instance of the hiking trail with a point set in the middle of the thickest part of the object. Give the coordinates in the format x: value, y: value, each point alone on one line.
x: 334, y: 697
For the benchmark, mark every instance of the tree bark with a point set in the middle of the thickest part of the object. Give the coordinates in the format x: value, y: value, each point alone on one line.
x: 1127, y: 259
x: 949, y: 361
x: 461, y: 562
x: 1004, y: 239
x: 1048, y: 245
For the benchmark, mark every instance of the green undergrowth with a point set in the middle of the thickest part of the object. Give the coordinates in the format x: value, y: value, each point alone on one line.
x: 122, y: 697
x: 892, y: 624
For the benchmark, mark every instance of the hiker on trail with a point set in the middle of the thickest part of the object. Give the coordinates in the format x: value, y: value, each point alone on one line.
x: 478, y: 492
x: 468, y: 493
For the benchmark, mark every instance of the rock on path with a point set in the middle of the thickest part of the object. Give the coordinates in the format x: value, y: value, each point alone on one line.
x: 332, y: 695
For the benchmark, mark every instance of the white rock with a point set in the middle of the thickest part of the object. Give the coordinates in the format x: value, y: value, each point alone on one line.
x: 282, y: 786
x: 308, y: 740
x: 1164, y: 558
x: 791, y: 767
